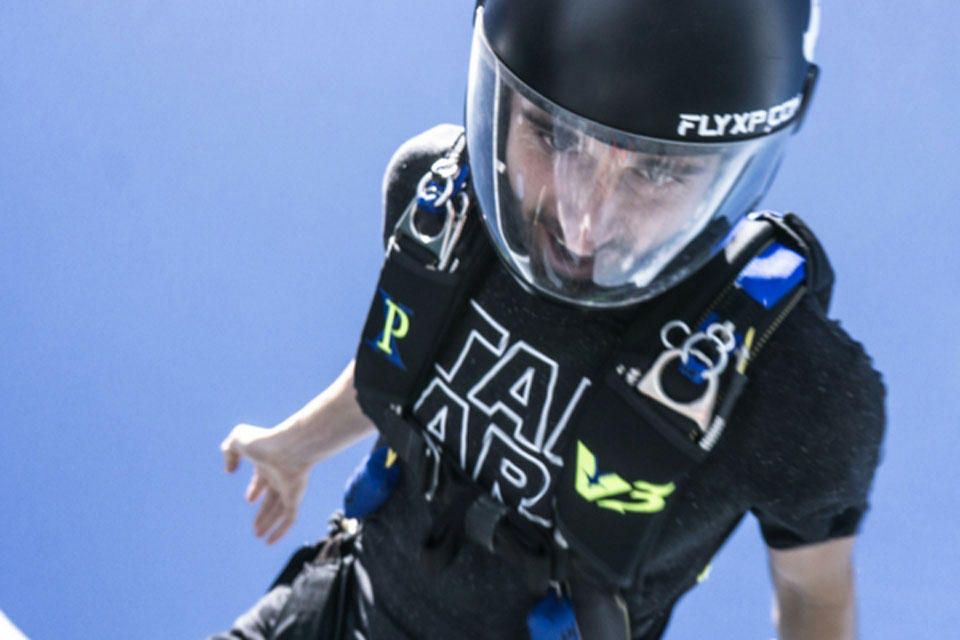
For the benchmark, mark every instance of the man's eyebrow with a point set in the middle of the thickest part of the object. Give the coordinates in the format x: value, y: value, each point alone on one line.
x: 541, y: 120
x: 546, y: 123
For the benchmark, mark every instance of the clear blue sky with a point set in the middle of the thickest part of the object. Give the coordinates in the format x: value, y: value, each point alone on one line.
x: 189, y: 236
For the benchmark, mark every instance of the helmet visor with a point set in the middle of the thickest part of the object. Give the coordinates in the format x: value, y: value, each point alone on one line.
x: 592, y: 215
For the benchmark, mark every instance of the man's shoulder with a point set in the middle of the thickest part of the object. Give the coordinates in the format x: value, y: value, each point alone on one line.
x: 421, y: 148
x: 815, y: 391
x: 813, y: 359
x: 408, y: 163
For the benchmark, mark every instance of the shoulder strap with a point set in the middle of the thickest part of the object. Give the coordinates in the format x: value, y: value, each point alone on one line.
x: 661, y: 402
x: 820, y: 275
x: 433, y: 259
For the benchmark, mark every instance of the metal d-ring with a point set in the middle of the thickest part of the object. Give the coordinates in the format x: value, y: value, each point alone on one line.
x: 714, y: 369
x: 723, y: 334
x: 699, y: 410
x: 667, y: 328
x: 446, y: 168
x: 428, y: 187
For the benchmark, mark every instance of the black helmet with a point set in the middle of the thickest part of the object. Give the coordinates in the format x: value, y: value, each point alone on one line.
x: 613, y: 143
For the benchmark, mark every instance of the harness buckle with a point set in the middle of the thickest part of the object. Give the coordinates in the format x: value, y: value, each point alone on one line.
x: 482, y: 518
x: 431, y: 470
x: 440, y: 192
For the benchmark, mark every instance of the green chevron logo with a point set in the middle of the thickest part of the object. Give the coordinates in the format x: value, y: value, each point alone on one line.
x: 599, y: 488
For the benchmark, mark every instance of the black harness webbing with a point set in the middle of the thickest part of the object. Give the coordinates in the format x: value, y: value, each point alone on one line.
x: 659, y: 405
x: 413, y: 303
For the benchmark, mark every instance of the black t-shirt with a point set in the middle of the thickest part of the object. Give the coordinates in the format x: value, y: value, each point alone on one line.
x: 800, y: 451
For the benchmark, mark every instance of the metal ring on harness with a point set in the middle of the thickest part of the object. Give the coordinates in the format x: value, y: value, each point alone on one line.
x: 699, y: 410
x: 429, y: 192
x: 442, y: 243
x: 713, y: 368
x: 723, y: 333
x: 446, y: 168
x: 665, y: 332
x: 457, y: 219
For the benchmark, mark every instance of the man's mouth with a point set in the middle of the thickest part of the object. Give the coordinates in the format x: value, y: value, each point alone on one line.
x: 557, y: 259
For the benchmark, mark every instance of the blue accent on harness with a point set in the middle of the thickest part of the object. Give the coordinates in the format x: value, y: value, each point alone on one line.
x: 370, y: 485
x: 426, y: 204
x: 694, y: 368
x: 772, y: 274
x: 553, y: 619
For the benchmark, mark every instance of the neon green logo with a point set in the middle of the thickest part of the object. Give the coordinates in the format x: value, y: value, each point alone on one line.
x: 644, y: 497
x: 395, y: 327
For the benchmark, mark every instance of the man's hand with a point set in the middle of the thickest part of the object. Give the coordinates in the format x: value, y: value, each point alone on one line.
x: 815, y: 593
x: 275, y: 475
x: 282, y: 456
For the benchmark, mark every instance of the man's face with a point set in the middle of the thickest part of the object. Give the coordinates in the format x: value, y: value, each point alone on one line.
x: 590, y: 208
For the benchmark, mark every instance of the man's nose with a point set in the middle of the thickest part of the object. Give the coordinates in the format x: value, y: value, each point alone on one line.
x: 583, y: 217
x: 577, y: 226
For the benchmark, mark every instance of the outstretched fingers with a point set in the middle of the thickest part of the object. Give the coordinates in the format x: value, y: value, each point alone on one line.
x: 270, y: 511
x: 289, y: 515
x: 279, y: 486
x: 231, y: 457
x: 257, y: 484
x: 275, y: 518
x: 234, y: 445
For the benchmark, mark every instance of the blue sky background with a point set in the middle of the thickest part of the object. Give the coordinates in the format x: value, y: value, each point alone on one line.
x: 189, y: 236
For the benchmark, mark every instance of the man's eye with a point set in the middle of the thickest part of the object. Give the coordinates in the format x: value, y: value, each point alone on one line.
x: 559, y: 139
x: 662, y: 171
x: 658, y: 174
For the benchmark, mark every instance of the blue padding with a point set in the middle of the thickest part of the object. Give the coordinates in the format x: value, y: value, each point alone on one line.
x: 693, y: 370
x: 553, y: 619
x: 370, y: 485
x: 772, y: 274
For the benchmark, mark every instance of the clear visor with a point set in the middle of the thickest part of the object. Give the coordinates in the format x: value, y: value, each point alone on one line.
x: 592, y: 215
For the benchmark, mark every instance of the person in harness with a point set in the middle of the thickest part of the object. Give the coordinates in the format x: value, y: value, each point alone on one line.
x: 585, y: 358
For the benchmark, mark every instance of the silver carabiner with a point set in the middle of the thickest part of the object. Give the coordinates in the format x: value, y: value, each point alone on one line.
x: 456, y: 220
x: 713, y: 368
x: 427, y: 187
x: 446, y: 167
x: 442, y: 243
x: 723, y: 340
x: 667, y: 328
x: 723, y: 334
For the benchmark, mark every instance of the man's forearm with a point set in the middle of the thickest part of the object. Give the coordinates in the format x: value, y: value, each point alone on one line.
x: 826, y: 612
x: 804, y: 620
x: 330, y: 422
